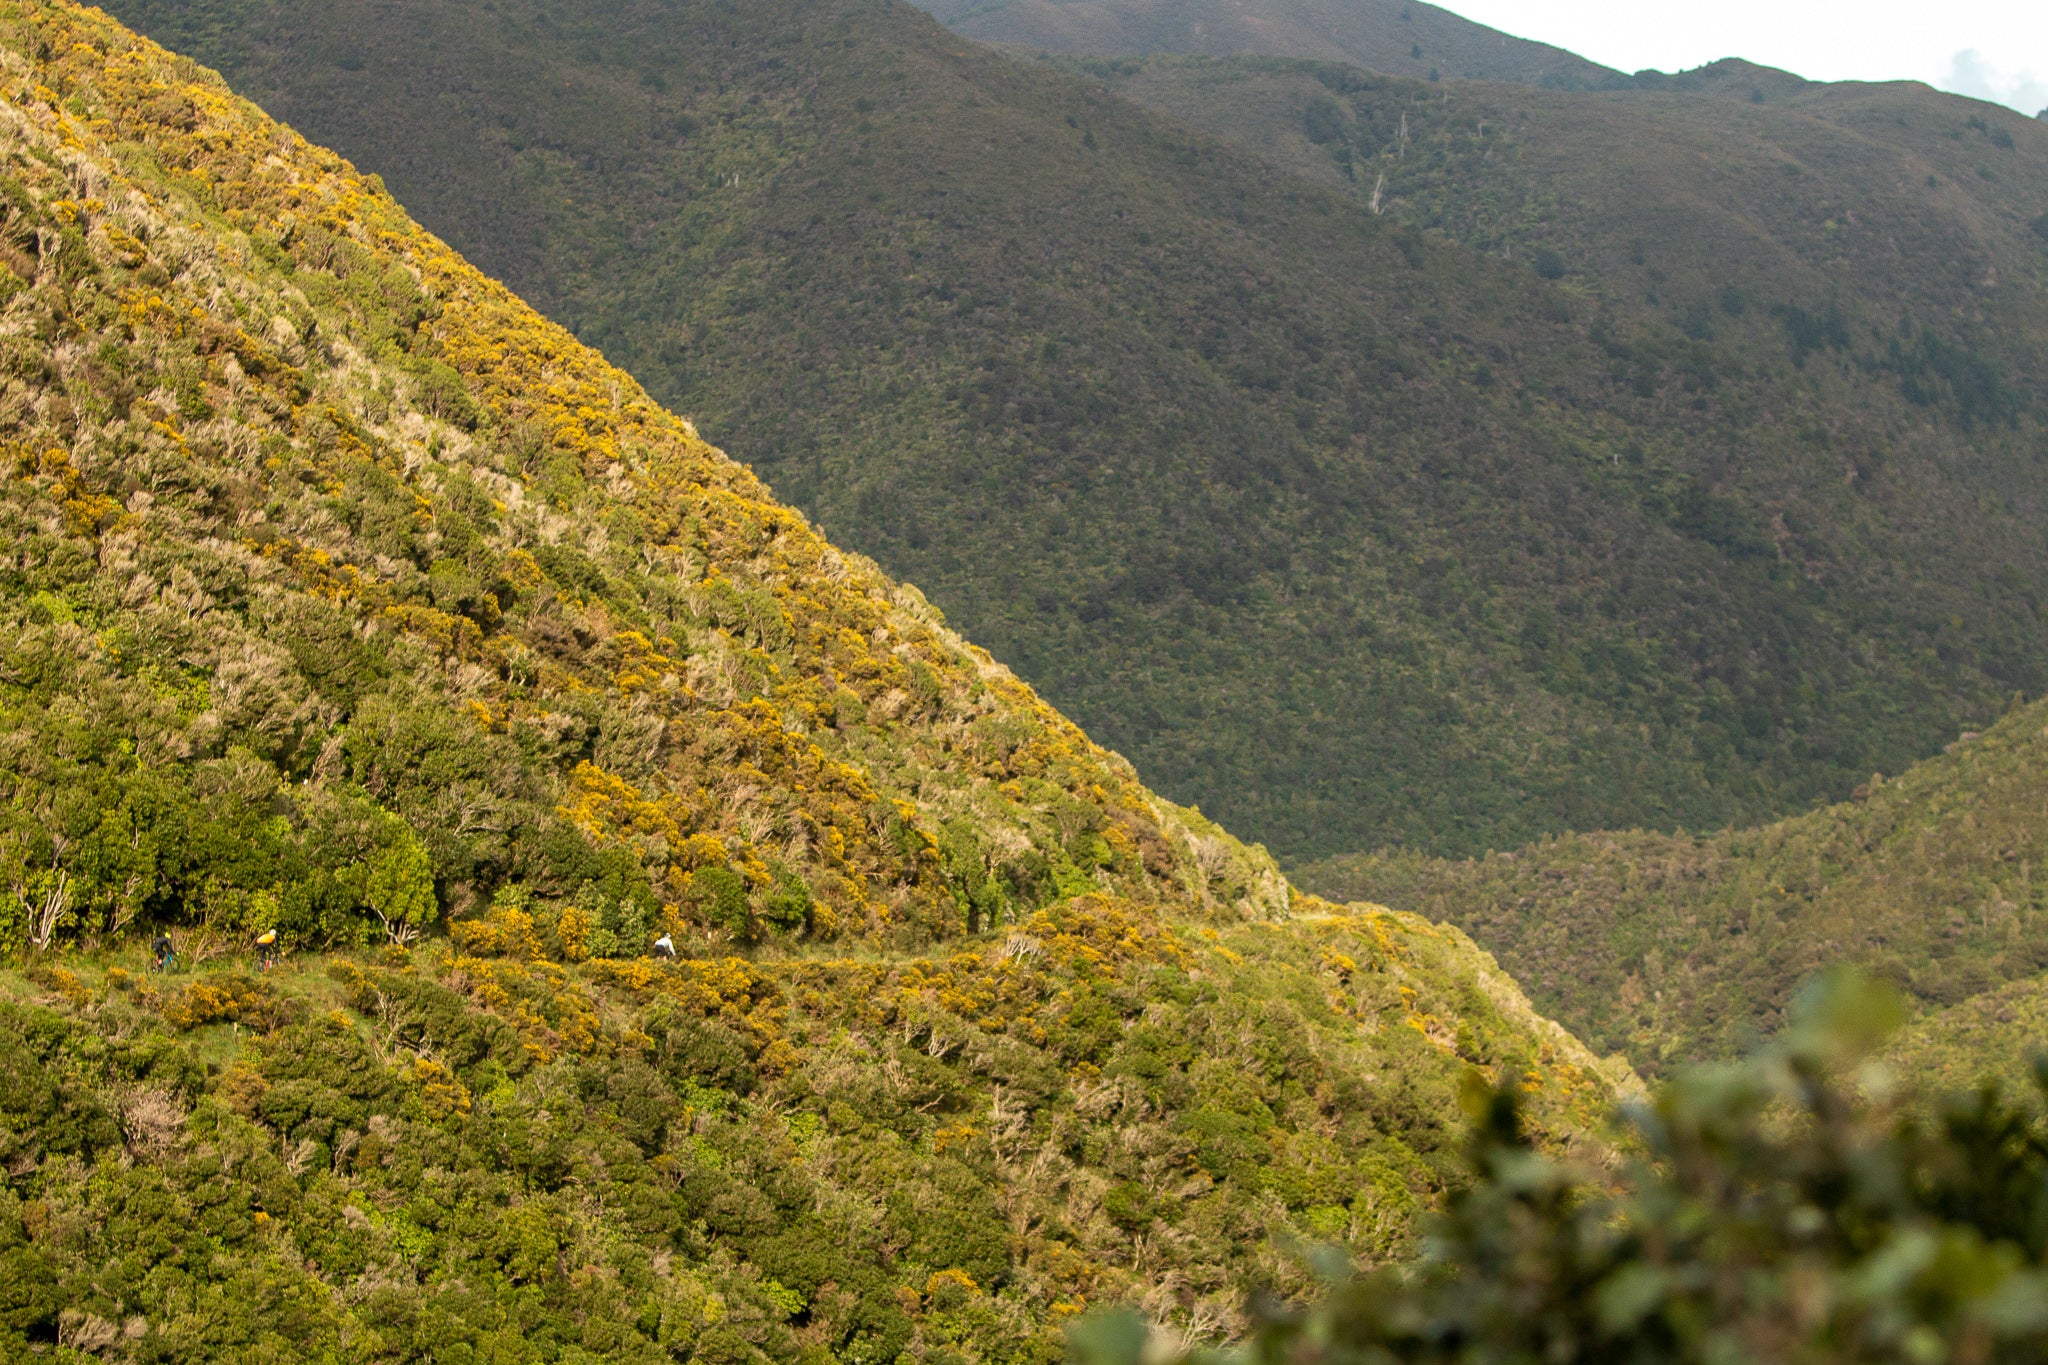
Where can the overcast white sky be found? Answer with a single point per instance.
(1992, 49)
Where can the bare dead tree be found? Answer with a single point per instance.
(43, 917)
(399, 930)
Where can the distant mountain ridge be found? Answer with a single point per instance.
(1399, 37)
(1657, 196)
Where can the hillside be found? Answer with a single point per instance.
(1680, 947)
(1895, 201)
(346, 598)
(1999, 1036)
(1349, 534)
(496, 1151)
(1398, 37)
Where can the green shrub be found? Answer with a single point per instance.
(1127, 1206)
(719, 896)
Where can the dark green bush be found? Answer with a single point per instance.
(719, 896)
(1324, 120)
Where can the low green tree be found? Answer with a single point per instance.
(400, 889)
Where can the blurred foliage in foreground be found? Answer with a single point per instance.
(1799, 1206)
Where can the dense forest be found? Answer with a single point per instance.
(1534, 501)
(407, 670)
(1687, 201)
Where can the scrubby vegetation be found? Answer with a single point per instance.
(480, 1151)
(342, 589)
(1684, 947)
(1796, 1208)
(1352, 528)
(346, 600)
(1993, 1036)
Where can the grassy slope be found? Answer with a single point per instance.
(1351, 535)
(341, 588)
(1399, 37)
(1682, 947)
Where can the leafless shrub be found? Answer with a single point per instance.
(152, 1123)
(85, 1333)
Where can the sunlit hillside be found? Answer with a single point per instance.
(420, 683)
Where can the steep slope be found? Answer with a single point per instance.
(343, 597)
(1399, 37)
(1678, 947)
(1352, 535)
(268, 486)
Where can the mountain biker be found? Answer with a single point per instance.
(162, 954)
(266, 950)
(665, 947)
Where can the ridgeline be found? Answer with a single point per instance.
(1399, 37)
